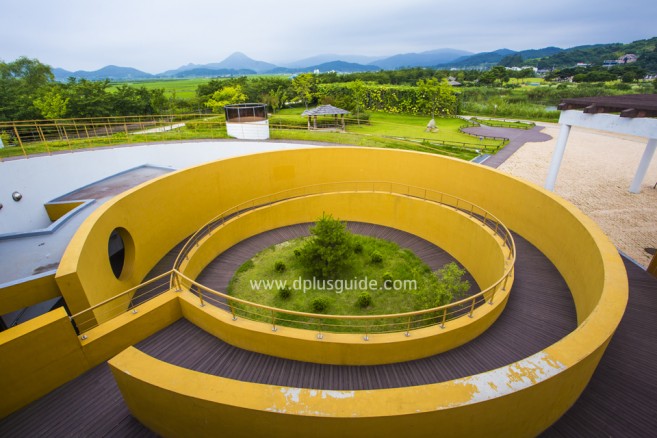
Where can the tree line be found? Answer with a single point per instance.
(28, 90)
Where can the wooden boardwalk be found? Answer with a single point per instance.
(619, 401)
(517, 138)
(539, 312)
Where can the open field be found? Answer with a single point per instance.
(404, 126)
(382, 130)
(178, 88)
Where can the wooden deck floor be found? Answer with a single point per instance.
(91, 404)
(620, 400)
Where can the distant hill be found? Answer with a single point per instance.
(211, 72)
(330, 57)
(111, 72)
(422, 59)
(598, 53)
(238, 64)
(337, 66)
(480, 60)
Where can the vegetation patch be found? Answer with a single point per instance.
(359, 284)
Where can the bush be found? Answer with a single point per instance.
(376, 257)
(387, 280)
(285, 293)
(329, 251)
(297, 253)
(245, 267)
(279, 266)
(364, 300)
(358, 248)
(320, 304)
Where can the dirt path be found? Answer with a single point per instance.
(595, 175)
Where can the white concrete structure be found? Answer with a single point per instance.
(639, 126)
(258, 130)
(247, 121)
(29, 239)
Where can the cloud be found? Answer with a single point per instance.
(79, 34)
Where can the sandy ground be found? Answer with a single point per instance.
(595, 175)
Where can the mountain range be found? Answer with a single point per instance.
(239, 64)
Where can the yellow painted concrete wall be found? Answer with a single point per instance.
(56, 210)
(535, 391)
(471, 243)
(174, 402)
(16, 296)
(463, 237)
(37, 357)
(340, 348)
(230, 182)
(45, 352)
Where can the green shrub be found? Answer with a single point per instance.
(358, 248)
(387, 280)
(285, 292)
(245, 267)
(297, 253)
(376, 257)
(279, 266)
(364, 300)
(320, 304)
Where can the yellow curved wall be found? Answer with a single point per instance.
(472, 244)
(536, 390)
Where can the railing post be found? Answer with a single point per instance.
(273, 322)
(176, 281)
(493, 294)
(442, 325)
(408, 327)
(20, 142)
(505, 281)
(200, 296)
(232, 310)
(367, 331)
(319, 333)
(472, 308)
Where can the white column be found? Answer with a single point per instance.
(635, 187)
(557, 156)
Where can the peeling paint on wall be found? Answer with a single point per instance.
(517, 376)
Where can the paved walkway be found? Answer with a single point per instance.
(517, 138)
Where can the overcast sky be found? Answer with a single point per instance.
(157, 36)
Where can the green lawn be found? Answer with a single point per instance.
(405, 127)
(382, 130)
(417, 286)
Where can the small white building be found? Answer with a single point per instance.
(247, 121)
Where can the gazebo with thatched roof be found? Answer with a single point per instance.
(325, 110)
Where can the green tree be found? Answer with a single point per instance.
(434, 95)
(329, 251)
(88, 98)
(52, 105)
(358, 95)
(450, 286)
(226, 96)
(305, 85)
(21, 82)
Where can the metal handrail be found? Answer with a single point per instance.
(280, 196)
(465, 306)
